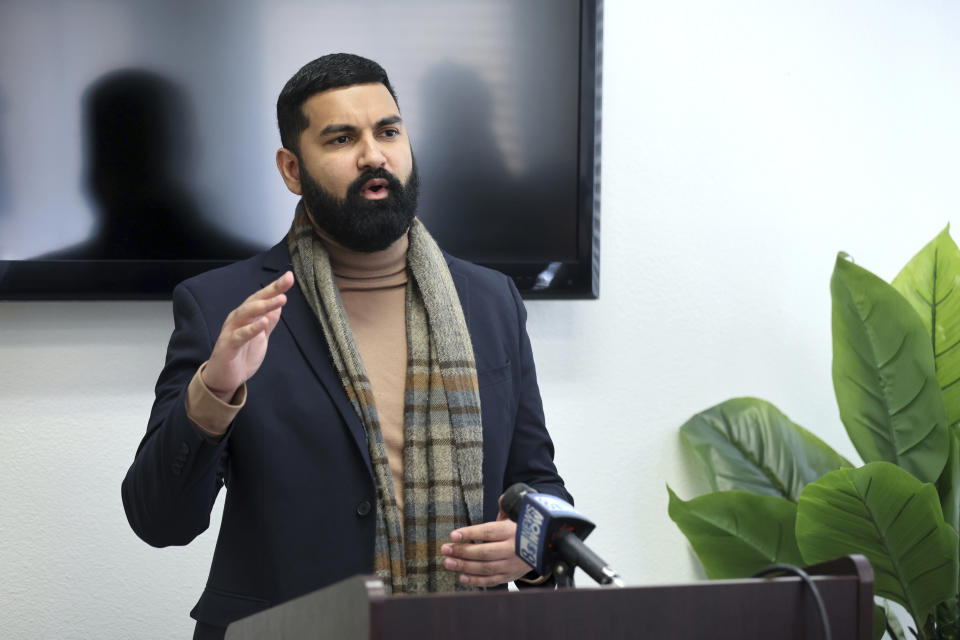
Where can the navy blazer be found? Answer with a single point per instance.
(300, 504)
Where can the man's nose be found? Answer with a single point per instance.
(371, 155)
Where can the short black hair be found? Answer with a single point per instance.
(326, 72)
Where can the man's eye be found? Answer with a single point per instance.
(341, 140)
(391, 133)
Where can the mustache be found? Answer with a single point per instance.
(356, 187)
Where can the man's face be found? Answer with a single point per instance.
(355, 167)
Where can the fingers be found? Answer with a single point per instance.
(257, 305)
(278, 286)
(272, 318)
(489, 567)
(484, 554)
(485, 542)
(477, 568)
(486, 532)
(485, 574)
(239, 337)
(484, 565)
(242, 323)
(262, 314)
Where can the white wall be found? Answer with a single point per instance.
(743, 147)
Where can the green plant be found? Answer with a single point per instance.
(780, 494)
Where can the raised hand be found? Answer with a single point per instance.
(242, 344)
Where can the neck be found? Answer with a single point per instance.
(359, 271)
(347, 263)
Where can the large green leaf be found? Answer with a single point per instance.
(749, 445)
(735, 534)
(883, 374)
(892, 518)
(948, 486)
(931, 284)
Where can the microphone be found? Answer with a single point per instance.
(551, 531)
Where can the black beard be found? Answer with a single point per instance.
(360, 224)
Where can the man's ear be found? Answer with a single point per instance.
(289, 167)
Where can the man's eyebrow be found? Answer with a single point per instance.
(338, 128)
(349, 128)
(385, 122)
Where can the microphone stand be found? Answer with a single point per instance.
(563, 575)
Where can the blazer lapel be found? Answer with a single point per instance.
(299, 320)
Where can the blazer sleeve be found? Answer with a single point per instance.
(531, 449)
(171, 486)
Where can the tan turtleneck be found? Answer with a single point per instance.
(373, 289)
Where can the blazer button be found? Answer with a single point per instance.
(184, 449)
(363, 508)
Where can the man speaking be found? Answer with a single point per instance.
(364, 397)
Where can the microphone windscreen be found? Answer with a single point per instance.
(512, 497)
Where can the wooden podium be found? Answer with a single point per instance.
(781, 608)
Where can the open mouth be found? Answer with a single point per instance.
(376, 189)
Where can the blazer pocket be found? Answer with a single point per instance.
(494, 375)
(220, 608)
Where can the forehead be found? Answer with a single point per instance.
(358, 105)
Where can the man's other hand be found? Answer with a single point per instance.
(242, 343)
(484, 554)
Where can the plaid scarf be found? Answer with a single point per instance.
(443, 439)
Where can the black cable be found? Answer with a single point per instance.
(803, 575)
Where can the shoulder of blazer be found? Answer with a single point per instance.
(482, 276)
(487, 297)
(234, 282)
(474, 281)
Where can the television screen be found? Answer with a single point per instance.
(137, 138)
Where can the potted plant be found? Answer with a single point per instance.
(782, 495)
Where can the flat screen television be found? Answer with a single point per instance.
(137, 137)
